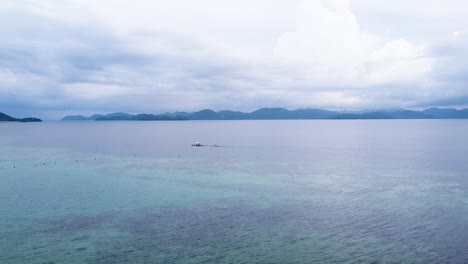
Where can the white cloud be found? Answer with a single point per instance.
(240, 54)
(330, 45)
(94, 91)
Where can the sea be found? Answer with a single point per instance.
(283, 191)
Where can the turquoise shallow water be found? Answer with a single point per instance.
(275, 192)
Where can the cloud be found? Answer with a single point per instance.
(154, 56)
(330, 45)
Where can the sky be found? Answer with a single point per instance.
(61, 57)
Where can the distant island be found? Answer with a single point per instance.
(125, 116)
(7, 118)
(282, 113)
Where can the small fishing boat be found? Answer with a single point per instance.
(197, 144)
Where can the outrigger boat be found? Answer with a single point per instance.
(197, 144)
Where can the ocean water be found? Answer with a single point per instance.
(344, 191)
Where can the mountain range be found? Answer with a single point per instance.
(7, 118)
(282, 113)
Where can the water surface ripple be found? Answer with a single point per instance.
(376, 191)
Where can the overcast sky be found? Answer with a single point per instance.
(60, 57)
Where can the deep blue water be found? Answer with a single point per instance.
(332, 191)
